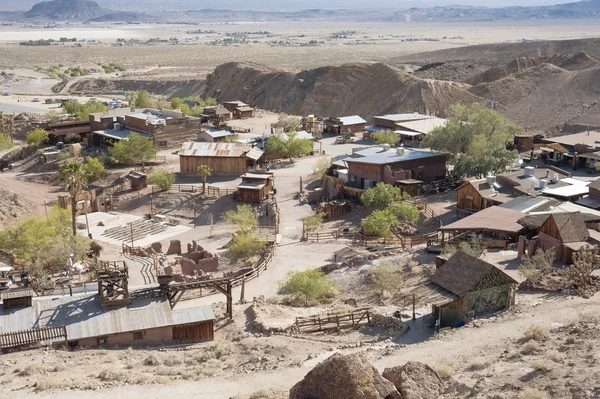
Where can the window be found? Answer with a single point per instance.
(138, 335)
(102, 340)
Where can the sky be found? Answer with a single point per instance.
(275, 5)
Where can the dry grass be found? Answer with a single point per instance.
(530, 393)
(477, 366)
(541, 366)
(151, 360)
(536, 333)
(554, 356)
(530, 348)
(112, 376)
(445, 370)
(29, 370)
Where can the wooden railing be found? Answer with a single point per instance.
(33, 336)
(333, 321)
(193, 188)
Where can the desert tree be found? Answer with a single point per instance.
(382, 195)
(289, 123)
(310, 286)
(163, 178)
(204, 171)
(476, 137)
(289, 145)
(385, 279)
(535, 266)
(585, 261)
(37, 137)
(143, 100)
(312, 223)
(243, 217)
(322, 166)
(386, 137)
(136, 149)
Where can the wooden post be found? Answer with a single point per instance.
(300, 183)
(243, 290)
(414, 315)
(46, 210)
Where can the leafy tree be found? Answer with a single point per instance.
(289, 146)
(204, 171)
(385, 279)
(243, 217)
(210, 101)
(309, 286)
(94, 169)
(82, 111)
(74, 176)
(382, 195)
(51, 116)
(163, 178)
(176, 102)
(143, 100)
(185, 109)
(535, 266)
(404, 212)
(36, 241)
(288, 123)
(322, 166)
(386, 137)
(136, 149)
(380, 222)
(476, 138)
(246, 244)
(37, 137)
(196, 111)
(130, 97)
(585, 261)
(313, 223)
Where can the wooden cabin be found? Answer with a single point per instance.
(566, 232)
(473, 287)
(223, 158)
(255, 187)
(243, 112)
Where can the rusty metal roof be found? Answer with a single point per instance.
(84, 318)
(196, 149)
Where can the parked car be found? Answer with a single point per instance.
(6, 93)
(36, 100)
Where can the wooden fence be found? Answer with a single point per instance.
(333, 321)
(33, 336)
(193, 188)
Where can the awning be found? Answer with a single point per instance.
(408, 133)
(255, 154)
(493, 218)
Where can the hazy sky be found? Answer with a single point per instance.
(290, 4)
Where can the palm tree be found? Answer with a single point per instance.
(204, 171)
(74, 176)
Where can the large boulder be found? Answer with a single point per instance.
(174, 248)
(415, 380)
(344, 376)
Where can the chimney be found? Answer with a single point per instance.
(400, 151)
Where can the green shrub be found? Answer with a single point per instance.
(37, 137)
(246, 244)
(309, 286)
(163, 178)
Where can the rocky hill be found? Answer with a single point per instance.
(366, 89)
(66, 10)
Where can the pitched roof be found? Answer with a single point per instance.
(595, 184)
(493, 218)
(571, 227)
(462, 272)
(351, 120)
(196, 149)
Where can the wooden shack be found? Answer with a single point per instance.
(255, 187)
(223, 158)
(17, 299)
(138, 180)
(473, 287)
(243, 112)
(566, 232)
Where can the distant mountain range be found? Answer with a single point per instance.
(90, 11)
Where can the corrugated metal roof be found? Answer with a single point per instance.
(424, 125)
(351, 120)
(195, 149)
(83, 316)
(391, 157)
(490, 219)
(403, 117)
(251, 185)
(255, 154)
(217, 133)
(261, 176)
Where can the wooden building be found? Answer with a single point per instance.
(138, 180)
(592, 201)
(255, 187)
(243, 112)
(523, 142)
(146, 321)
(565, 232)
(223, 158)
(215, 115)
(58, 131)
(426, 166)
(345, 124)
(476, 195)
(15, 299)
(231, 105)
(214, 135)
(474, 287)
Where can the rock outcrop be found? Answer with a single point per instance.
(415, 380)
(344, 376)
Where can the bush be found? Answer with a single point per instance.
(312, 223)
(309, 286)
(445, 370)
(243, 217)
(134, 150)
(322, 166)
(94, 169)
(531, 348)
(37, 137)
(541, 366)
(386, 137)
(385, 279)
(382, 196)
(536, 333)
(534, 267)
(163, 178)
(151, 360)
(246, 245)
